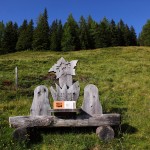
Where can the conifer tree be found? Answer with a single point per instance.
(121, 28)
(145, 35)
(30, 29)
(59, 34)
(70, 38)
(103, 35)
(133, 37)
(55, 35)
(127, 36)
(83, 34)
(25, 38)
(10, 37)
(41, 33)
(21, 43)
(113, 33)
(2, 28)
(92, 27)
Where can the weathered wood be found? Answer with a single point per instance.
(16, 77)
(30, 121)
(105, 133)
(66, 94)
(65, 110)
(40, 104)
(20, 134)
(64, 71)
(91, 103)
(52, 121)
(73, 92)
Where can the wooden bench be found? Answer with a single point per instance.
(89, 115)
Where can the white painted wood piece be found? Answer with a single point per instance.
(91, 103)
(40, 105)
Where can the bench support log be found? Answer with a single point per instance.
(52, 121)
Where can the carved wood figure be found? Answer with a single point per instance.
(91, 103)
(40, 105)
(66, 90)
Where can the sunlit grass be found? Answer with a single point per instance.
(121, 75)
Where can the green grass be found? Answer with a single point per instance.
(122, 75)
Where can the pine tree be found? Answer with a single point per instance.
(133, 37)
(83, 34)
(92, 27)
(103, 35)
(121, 28)
(25, 37)
(21, 43)
(2, 28)
(41, 33)
(29, 32)
(59, 34)
(145, 35)
(55, 35)
(126, 36)
(10, 38)
(113, 33)
(70, 39)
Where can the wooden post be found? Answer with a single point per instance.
(16, 77)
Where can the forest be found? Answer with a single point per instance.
(72, 35)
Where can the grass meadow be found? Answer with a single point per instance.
(122, 75)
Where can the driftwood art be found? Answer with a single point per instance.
(64, 113)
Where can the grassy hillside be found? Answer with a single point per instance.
(122, 75)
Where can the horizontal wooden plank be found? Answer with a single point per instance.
(52, 121)
(65, 110)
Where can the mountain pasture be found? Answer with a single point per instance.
(122, 75)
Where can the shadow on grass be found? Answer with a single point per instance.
(35, 134)
(124, 129)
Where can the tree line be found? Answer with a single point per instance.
(72, 35)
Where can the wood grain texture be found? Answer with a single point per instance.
(40, 104)
(52, 121)
(91, 103)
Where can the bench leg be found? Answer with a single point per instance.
(105, 133)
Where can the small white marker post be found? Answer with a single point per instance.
(16, 77)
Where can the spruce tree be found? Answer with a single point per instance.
(83, 34)
(55, 35)
(70, 38)
(59, 35)
(2, 28)
(113, 33)
(25, 37)
(41, 33)
(29, 34)
(10, 38)
(126, 36)
(145, 35)
(121, 29)
(133, 37)
(103, 34)
(21, 43)
(92, 27)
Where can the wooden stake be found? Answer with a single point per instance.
(16, 77)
